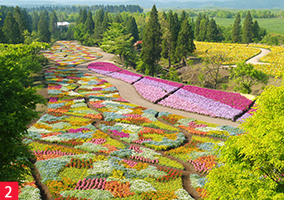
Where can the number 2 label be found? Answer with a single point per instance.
(9, 190)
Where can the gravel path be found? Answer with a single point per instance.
(255, 59)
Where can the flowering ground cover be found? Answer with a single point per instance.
(210, 102)
(64, 52)
(233, 53)
(92, 144)
(126, 76)
(103, 67)
(154, 89)
(196, 127)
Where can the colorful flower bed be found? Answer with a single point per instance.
(196, 127)
(210, 102)
(103, 67)
(118, 158)
(233, 53)
(126, 76)
(154, 89)
(65, 52)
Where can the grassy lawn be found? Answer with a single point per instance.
(273, 25)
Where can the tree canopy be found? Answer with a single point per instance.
(253, 162)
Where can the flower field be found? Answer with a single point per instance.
(233, 53)
(154, 89)
(92, 144)
(64, 52)
(103, 67)
(210, 102)
(126, 76)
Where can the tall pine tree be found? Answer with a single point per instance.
(53, 22)
(247, 29)
(43, 31)
(83, 17)
(185, 42)
(35, 19)
(151, 46)
(132, 28)
(11, 30)
(90, 25)
(212, 31)
(255, 31)
(236, 32)
(197, 26)
(20, 19)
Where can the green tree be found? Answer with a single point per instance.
(35, 19)
(168, 38)
(253, 162)
(245, 76)
(132, 28)
(118, 18)
(28, 19)
(99, 18)
(11, 30)
(203, 29)
(20, 19)
(2, 36)
(151, 48)
(197, 26)
(53, 23)
(212, 31)
(117, 41)
(17, 110)
(212, 69)
(106, 21)
(89, 25)
(43, 32)
(83, 16)
(247, 29)
(255, 31)
(79, 32)
(185, 42)
(236, 32)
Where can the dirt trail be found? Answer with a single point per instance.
(255, 59)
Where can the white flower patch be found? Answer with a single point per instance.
(139, 186)
(78, 100)
(147, 153)
(130, 127)
(54, 138)
(149, 116)
(60, 125)
(72, 93)
(100, 167)
(77, 105)
(38, 130)
(92, 194)
(124, 111)
(183, 195)
(208, 128)
(28, 192)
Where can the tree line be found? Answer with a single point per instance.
(93, 8)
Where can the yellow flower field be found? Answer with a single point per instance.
(234, 53)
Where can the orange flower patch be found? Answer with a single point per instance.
(46, 157)
(192, 130)
(49, 134)
(93, 116)
(119, 189)
(42, 126)
(110, 149)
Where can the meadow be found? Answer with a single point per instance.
(272, 25)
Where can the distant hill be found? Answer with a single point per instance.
(235, 4)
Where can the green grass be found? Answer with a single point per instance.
(272, 25)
